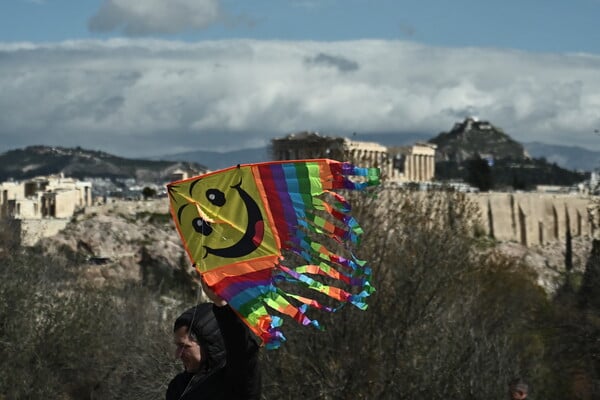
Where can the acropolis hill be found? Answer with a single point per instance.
(530, 218)
(547, 216)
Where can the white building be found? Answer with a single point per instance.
(44, 197)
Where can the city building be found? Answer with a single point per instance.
(41, 206)
(44, 197)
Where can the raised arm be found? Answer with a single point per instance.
(242, 369)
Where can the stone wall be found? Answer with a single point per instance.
(66, 202)
(526, 218)
(534, 218)
(130, 207)
(32, 230)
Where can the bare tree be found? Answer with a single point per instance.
(445, 321)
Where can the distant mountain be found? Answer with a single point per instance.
(571, 157)
(471, 138)
(80, 163)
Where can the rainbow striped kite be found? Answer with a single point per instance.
(235, 222)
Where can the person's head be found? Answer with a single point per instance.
(518, 389)
(198, 339)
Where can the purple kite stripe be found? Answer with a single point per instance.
(289, 213)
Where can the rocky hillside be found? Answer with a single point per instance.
(132, 242)
(472, 138)
(80, 163)
(124, 242)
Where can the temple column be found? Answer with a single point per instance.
(413, 172)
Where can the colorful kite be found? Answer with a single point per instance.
(235, 222)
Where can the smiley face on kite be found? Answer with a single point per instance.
(255, 226)
(226, 220)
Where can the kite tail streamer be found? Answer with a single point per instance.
(293, 191)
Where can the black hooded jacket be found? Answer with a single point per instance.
(229, 369)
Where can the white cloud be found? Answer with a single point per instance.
(144, 97)
(146, 17)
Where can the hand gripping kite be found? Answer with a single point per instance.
(234, 224)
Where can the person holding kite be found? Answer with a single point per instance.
(218, 352)
(235, 224)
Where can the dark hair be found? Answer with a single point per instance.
(204, 330)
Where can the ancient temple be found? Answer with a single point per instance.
(414, 163)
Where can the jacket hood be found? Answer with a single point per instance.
(201, 321)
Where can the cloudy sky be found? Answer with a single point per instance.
(140, 78)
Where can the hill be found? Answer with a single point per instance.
(485, 156)
(471, 138)
(80, 163)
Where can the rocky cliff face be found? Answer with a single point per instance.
(126, 242)
(135, 242)
(472, 138)
(548, 261)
